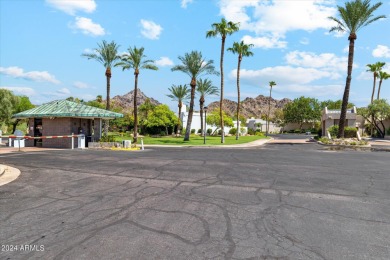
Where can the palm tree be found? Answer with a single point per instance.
(107, 55)
(223, 29)
(179, 93)
(135, 59)
(243, 50)
(355, 15)
(383, 75)
(194, 66)
(204, 89)
(375, 69)
(271, 84)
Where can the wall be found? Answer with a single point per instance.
(57, 126)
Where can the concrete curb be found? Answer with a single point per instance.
(9, 174)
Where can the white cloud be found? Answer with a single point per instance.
(381, 51)
(64, 91)
(282, 75)
(79, 84)
(264, 42)
(39, 76)
(279, 16)
(327, 61)
(150, 29)
(164, 61)
(276, 18)
(25, 91)
(184, 3)
(87, 26)
(72, 6)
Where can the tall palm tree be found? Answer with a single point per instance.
(383, 75)
(243, 50)
(375, 69)
(179, 93)
(355, 15)
(204, 89)
(223, 29)
(135, 59)
(194, 65)
(107, 55)
(271, 84)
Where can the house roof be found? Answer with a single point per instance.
(65, 108)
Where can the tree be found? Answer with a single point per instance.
(383, 75)
(22, 103)
(271, 84)
(355, 15)
(330, 104)
(223, 29)
(204, 89)
(243, 50)
(376, 113)
(179, 93)
(144, 110)
(302, 110)
(194, 66)
(107, 55)
(8, 103)
(135, 59)
(214, 119)
(375, 69)
(161, 117)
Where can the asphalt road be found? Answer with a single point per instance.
(279, 201)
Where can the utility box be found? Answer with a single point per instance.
(126, 144)
(81, 141)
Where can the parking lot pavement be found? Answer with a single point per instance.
(273, 202)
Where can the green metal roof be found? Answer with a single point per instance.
(65, 108)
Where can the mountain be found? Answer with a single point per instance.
(251, 107)
(127, 100)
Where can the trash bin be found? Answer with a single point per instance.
(126, 144)
(81, 141)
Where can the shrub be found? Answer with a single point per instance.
(192, 131)
(297, 131)
(324, 140)
(233, 131)
(199, 131)
(209, 131)
(251, 131)
(388, 131)
(333, 130)
(107, 139)
(163, 133)
(259, 133)
(219, 132)
(350, 132)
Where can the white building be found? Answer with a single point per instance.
(196, 123)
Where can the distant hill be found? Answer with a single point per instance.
(126, 101)
(251, 107)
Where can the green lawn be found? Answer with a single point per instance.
(194, 140)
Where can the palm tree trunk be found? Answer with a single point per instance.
(178, 120)
(108, 88)
(343, 113)
(238, 96)
(373, 88)
(221, 100)
(379, 88)
(135, 137)
(191, 111)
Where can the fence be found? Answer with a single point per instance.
(80, 139)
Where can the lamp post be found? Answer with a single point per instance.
(205, 125)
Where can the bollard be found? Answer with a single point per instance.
(9, 142)
(142, 144)
(1, 139)
(72, 142)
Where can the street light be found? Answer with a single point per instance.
(205, 125)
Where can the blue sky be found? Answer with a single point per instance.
(41, 43)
